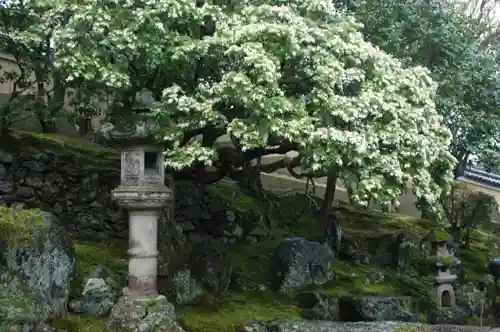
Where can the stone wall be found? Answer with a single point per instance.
(78, 195)
(81, 197)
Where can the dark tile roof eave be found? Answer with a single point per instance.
(490, 179)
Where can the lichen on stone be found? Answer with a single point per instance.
(37, 261)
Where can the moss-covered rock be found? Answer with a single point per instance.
(435, 261)
(89, 255)
(37, 261)
(17, 227)
(144, 316)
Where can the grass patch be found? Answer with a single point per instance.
(76, 323)
(353, 280)
(229, 311)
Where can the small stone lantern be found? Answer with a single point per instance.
(444, 256)
(143, 194)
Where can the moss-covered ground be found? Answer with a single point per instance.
(365, 229)
(223, 313)
(86, 154)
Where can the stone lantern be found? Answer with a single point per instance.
(143, 194)
(444, 260)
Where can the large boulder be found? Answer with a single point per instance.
(400, 253)
(207, 269)
(299, 263)
(323, 306)
(37, 263)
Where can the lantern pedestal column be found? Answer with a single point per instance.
(144, 204)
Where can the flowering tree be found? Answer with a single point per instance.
(424, 33)
(244, 79)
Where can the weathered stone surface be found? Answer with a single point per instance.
(37, 260)
(171, 242)
(141, 315)
(156, 322)
(98, 297)
(449, 315)
(185, 287)
(400, 253)
(299, 263)
(376, 308)
(211, 266)
(322, 326)
(320, 306)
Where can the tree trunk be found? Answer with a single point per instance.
(83, 127)
(4, 128)
(455, 234)
(348, 187)
(331, 184)
(424, 210)
(48, 126)
(48, 106)
(467, 238)
(462, 157)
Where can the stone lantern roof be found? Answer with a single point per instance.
(133, 126)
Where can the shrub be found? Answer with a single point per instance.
(465, 210)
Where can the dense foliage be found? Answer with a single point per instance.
(269, 76)
(425, 33)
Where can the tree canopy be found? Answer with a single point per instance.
(270, 76)
(425, 33)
